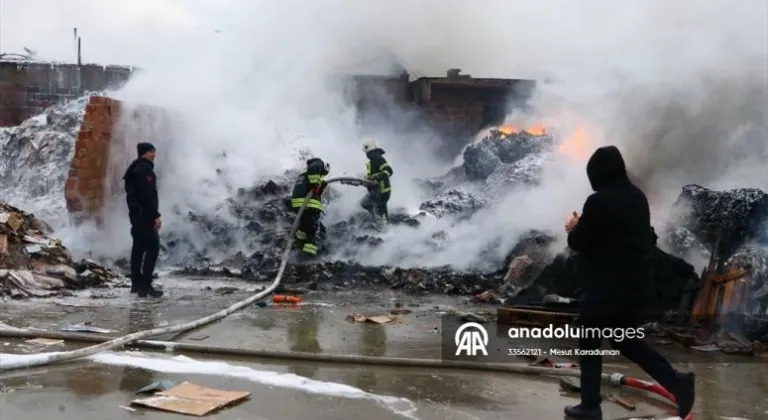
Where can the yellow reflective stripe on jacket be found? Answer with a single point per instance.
(382, 168)
(312, 203)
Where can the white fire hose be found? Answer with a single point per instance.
(58, 357)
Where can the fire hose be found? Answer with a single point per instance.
(58, 357)
(138, 339)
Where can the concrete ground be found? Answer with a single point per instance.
(103, 388)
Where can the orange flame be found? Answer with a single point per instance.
(536, 129)
(576, 145)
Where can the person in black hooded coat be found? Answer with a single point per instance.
(615, 242)
(141, 197)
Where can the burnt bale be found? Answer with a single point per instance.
(672, 277)
(735, 216)
(482, 158)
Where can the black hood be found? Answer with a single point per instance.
(375, 152)
(606, 167)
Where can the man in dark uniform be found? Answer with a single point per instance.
(141, 196)
(310, 231)
(377, 169)
(614, 241)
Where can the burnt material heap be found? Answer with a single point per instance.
(734, 216)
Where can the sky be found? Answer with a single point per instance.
(680, 86)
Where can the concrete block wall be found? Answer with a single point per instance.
(27, 88)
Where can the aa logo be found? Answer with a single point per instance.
(470, 339)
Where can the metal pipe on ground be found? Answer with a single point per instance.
(49, 358)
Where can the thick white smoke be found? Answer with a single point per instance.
(678, 85)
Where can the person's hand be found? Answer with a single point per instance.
(571, 222)
(158, 223)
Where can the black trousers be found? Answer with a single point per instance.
(311, 231)
(144, 252)
(636, 350)
(376, 202)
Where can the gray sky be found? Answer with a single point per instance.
(484, 37)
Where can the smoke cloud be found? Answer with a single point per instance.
(679, 86)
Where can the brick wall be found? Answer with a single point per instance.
(456, 109)
(27, 88)
(86, 182)
(104, 147)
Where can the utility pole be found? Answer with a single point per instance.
(1, 27)
(77, 43)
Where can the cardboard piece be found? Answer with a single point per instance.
(191, 399)
(13, 220)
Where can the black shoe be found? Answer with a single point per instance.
(134, 289)
(685, 394)
(150, 291)
(581, 412)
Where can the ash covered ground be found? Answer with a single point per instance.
(245, 235)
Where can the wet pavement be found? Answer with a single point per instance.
(97, 390)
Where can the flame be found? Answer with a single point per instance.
(536, 129)
(508, 130)
(576, 145)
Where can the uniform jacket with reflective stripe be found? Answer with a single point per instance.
(304, 183)
(377, 168)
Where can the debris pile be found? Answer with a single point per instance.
(34, 265)
(731, 217)
(35, 158)
(500, 148)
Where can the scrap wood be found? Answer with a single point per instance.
(191, 399)
(24, 245)
(4, 244)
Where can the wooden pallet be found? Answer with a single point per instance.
(533, 318)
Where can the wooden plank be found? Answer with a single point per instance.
(528, 317)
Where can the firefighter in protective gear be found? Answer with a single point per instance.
(310, 230)
(377, 169)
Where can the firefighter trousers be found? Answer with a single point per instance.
(311, 231)
(375, 202)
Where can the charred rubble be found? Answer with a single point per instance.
(534, 272)
(530, 275)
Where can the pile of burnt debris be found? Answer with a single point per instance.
(34, 265)
(729, 226)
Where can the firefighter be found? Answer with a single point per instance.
(310, 229)
(377, 169)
